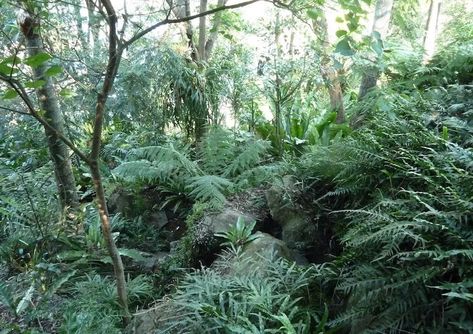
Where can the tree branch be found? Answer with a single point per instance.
(20, 90)
(185, 19)
(15, 111)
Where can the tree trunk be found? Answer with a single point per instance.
(114, 57)
(382, 18)
(181, 10)
(209, 45)
(331, 76)
(431, 30)
(332, 82)
(48, 102)
(202, 28)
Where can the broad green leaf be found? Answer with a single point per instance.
(6, 69)
(377, 43)
(25, 301)
(7, 65)
(10, 60)
(462, 295)
(340, 33)
(35, 84)
(54, 70)
(9, 94)
(352, 25)
(344, 48)
(314, 13)
(37, 60)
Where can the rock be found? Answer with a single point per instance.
(150, 320)
(267, 246)
(298, 230)
(223, 221)
(121, 201)
(159, 219)
(153, 263)
(254, 254)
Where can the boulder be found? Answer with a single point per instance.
(158, 219)
(298, 230)
(223, 221)
(121, 201)
(267, 246)
(257, 254)
(154, 262)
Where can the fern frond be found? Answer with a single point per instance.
(209, 188)
(249, 157)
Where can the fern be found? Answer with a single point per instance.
(404, 191)
(249, 157)
(267, 300)
(209, 188)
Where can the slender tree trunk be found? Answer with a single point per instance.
(382, 18)
(431, 30)
(202, 30)
(331, 76)
(114, 57)
(48, 102)
(209, 45)
(93, 27)
(332, 82)
(181, 10)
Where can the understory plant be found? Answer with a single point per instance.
(222, 163)
(276, 298)
(406, 184)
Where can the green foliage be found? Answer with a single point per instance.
(94, 308)
(222, 156)
(239, 234)
(407, 200)
(266, 300)
(208, 188)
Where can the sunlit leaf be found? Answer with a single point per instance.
(54, 70)
(9, 94)
(313, 13)
(35, 84)
(37, 60)
(344, 48)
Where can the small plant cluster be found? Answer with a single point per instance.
(276, 299)
(239, 234)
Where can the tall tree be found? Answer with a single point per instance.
(217, 21)
(382, 18)
(330, 75)
(202, 30)
(431, 29)
(30, 26)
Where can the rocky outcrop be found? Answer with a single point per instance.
(223, 221)
(298, 230)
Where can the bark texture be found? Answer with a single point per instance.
(48, 103)
(202, 32)
(431, 30)
(209, 45)
(114, 57)
(382, 18)
(331, 76)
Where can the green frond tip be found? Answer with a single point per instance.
(209, 188)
